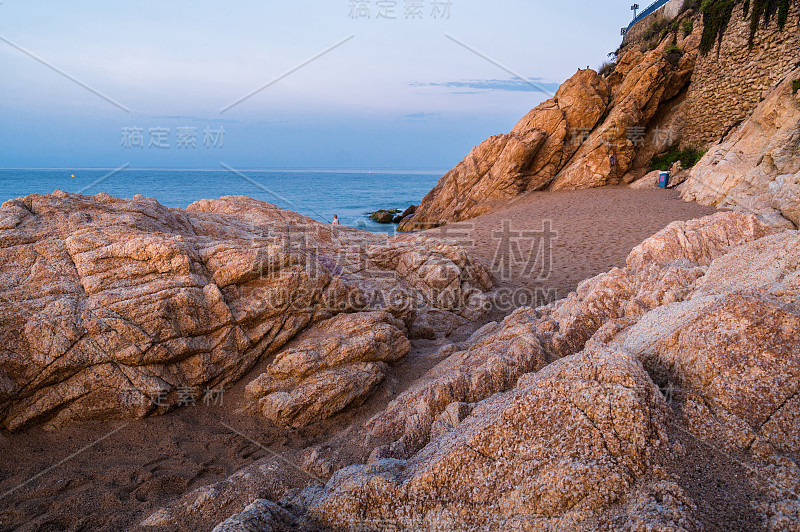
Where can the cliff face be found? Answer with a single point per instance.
(756, 169)
(600, 131)
(640, 86)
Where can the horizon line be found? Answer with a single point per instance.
(247, 168)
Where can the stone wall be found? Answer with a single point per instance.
(673, 9)
(730, 80)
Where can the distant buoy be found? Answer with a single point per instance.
(73, 175)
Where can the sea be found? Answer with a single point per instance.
(351, 194)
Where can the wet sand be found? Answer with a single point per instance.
(145, 464)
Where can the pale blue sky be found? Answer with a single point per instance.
(399, 94)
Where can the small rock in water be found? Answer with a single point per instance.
(384, 216)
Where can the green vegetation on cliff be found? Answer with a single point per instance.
(687, 156)
(765, 10)
(717, 14)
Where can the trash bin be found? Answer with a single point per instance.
(663, 179)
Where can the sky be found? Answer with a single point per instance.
(282, 84)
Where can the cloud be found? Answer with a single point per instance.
(419, 116)
(193, 118)
(508, 85)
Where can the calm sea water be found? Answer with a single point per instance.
(318, 194)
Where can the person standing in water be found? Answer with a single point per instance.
(335, 220)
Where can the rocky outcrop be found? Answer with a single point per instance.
(123, 308)
(260, 516)
(440, 273)
(497, 169)
(497, 357)
(649, 180)
(735, 339)
(528, 158)
(756, 168)
(661, 270)
(641, 84)
(568, 141)
(566, 442)
(337, 363)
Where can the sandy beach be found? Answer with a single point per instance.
(592, 232)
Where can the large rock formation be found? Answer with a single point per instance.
(736, 338)
(756, 169)
(528, 158)
(568, 141)
(260, 516)
(641, 85)
(122, 308)
(498, 355)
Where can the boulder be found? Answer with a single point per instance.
(437, 271)
(259, 516)
(731, 348)
(563, 445)
(382, 217)
(243, 499)
(492, 364)
(409, 211)
(648, 181)
(786, 199)
(337, 363)
(678, 179)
